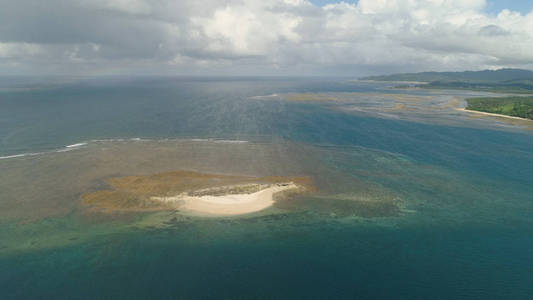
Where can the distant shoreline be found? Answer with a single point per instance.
(492, 114)
(393, 81)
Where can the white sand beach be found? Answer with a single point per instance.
(230, 204)
(492, 114)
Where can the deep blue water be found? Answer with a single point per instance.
(416, 263)
(474, 243)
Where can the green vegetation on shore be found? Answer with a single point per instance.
(510, 106)
(498, 81)
(508, 87)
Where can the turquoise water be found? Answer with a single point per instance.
(465, 184)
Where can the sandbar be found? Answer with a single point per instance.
(229, 204)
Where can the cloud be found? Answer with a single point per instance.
(248, 29)
(258, 37)
(492, 30)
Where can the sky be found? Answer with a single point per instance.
(262, 37)
(493, 6)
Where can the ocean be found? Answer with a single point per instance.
(461, 185)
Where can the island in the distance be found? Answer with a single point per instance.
(509, 81)
(194, 193)
(497, 81)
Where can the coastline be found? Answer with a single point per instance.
(492, 114)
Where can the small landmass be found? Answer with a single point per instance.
(194, 192)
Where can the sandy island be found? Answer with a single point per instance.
(229, 204)
(195, 193)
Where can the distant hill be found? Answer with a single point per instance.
(503, 80)
(468, 76)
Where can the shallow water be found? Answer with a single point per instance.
(462, 185)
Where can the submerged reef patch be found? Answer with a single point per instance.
(212, 194)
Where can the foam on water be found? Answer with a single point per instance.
(76, 145)
(67, 148)
(20, 155)
(72, 147)
(265, 96)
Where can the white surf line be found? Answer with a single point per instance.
(76, 145)
(20, 155)
(264, 96)
(60, 150)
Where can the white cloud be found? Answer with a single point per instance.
(276, 36)
(19, 50)
(246, 29)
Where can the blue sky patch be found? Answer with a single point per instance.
(493, 6)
